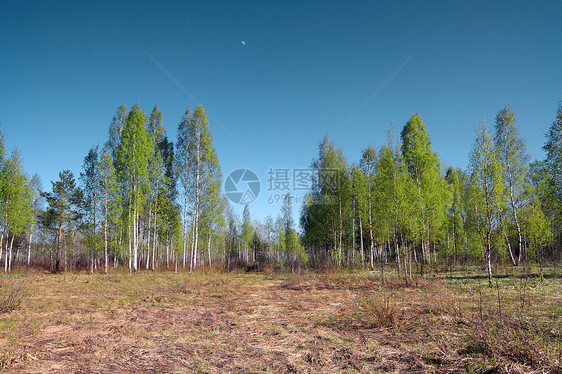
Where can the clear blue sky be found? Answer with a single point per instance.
(307, 68)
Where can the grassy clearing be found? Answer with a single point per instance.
(339, 322)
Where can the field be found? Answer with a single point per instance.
(213, 322)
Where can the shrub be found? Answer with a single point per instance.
(378, 312)
(11, 297)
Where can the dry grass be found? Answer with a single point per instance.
(215, 322)
(11, 296)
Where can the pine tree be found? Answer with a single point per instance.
(64, 210)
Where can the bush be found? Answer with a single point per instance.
(11, 297)
(378, 312)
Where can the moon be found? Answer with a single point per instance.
(243, 42)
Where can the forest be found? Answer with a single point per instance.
(141, 264)
(143, 201)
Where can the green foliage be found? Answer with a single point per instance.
(17, 196)
(433, 197)
(132, 159)
(90, 201)
(395, 203)
(488, 189)
(64, 210)
(456, 215)
(553, 149)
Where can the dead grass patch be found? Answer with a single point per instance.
(215, 322)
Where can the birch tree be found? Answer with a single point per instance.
(16, 203)
(133, 154)
(514, 159)
(199, 172)
(432, 193)
(90, 202)
(368, 165)
(487, 171)
(111, 202)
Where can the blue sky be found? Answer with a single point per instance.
(307, 68)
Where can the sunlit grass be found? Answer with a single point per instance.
(330, 322)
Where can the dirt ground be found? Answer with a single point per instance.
(254, 323)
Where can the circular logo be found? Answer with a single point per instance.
(242, 186)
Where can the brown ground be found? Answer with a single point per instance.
(173, 323)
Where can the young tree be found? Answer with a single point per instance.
(487, 171)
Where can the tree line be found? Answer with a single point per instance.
(145, 202)
(398, 204)
(141, 201)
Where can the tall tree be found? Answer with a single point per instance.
(182, 162)
(368, 165)
(133, 154)
(90, 202)
(116, 129)
(37, 207)
(360, 196)
(514, 159)
(157, 133)
(432, 192)
(553, 149)
(16, 203)
(111, 202)
(487, 171)
(456, 227)
(247, 229)
(64, 209)
(199, 171)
